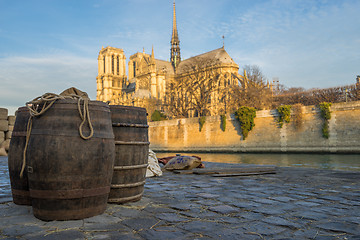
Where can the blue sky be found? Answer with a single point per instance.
(50, 45)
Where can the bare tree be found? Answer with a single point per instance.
(253, 90)
(178, 101)
(254, 75)
(316, 96)
(193, 89)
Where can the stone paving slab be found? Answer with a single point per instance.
(295, 203)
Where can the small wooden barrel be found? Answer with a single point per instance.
(19, 186)
(131, 153)
(69, 177)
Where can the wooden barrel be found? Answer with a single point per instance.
(19, 186)
(131, 153)
(69, 177)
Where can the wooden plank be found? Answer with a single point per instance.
(241, 174)
(183, 171)
(237, 170)
(234, 170)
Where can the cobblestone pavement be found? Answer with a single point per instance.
(294, 203)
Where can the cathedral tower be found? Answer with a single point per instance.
(175, 57)
(111, 73)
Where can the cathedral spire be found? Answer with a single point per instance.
(174, 36)
(152, 52)
(175, 43)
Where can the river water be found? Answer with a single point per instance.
(320, 161)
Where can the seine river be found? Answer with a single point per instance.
(321, 161)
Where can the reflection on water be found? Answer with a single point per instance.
(322, 161)
(5, 189)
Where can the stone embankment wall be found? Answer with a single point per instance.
(6, 128)
(266, 136)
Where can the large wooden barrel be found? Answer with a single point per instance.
(19, 186)
(69, 177)
(131, 153)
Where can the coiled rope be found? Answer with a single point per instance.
(40, 105)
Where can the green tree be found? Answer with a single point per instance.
(157, 116)
(284, 114)
(326, 115)
(246, 116)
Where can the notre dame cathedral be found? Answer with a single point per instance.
(187, 88)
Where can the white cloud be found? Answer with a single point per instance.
(304, 43)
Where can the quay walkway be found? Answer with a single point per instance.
(294, 203)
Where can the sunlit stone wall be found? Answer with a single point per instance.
(266, 136)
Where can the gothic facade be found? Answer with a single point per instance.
(165, 85)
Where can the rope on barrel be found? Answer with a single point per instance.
(85, 116)
(28, 131)
(46, 101)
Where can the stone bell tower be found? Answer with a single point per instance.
(111, 74)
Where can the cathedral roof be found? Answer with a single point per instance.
(142, 93)
(164, 65)
(214, 57)
(130, 87)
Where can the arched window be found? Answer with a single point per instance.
(118, 65)
(104, 64)
(112, 64)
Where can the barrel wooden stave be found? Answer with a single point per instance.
(132, 178)
(131, 153)
(69, 177)
(19, 186)
(130, 134)
(128, 114)
(69, 209)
